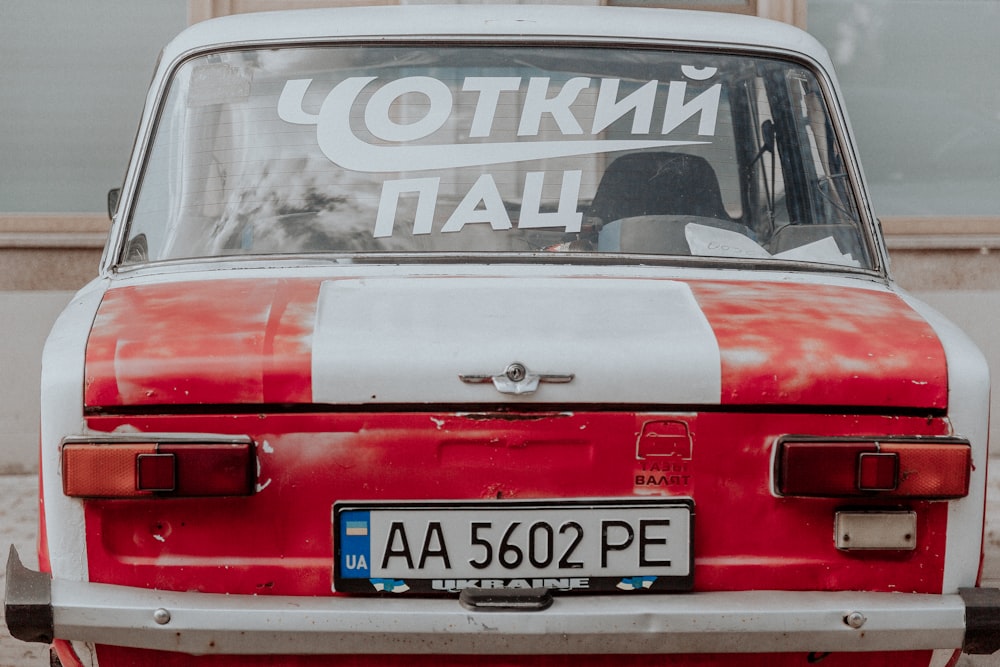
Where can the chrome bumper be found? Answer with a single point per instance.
(39, 608)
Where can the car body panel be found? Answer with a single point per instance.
(486, 457)
(266, 341)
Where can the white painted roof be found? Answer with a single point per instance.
(529, 21)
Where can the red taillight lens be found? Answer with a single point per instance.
(132, 469)
(933, 468)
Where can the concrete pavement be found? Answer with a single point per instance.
(18, 526)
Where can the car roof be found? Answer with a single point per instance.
(561, 22)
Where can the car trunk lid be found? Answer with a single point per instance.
(586, 340)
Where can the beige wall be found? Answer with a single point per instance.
(62, 252)
(789, 11)
(50, 252)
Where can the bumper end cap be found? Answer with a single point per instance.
(28, 602)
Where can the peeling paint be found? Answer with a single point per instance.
(249, 341)
(813, 344)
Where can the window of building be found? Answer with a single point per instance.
(919, 79)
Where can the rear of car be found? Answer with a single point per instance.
(510, 335)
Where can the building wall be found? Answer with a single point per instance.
(919, 77)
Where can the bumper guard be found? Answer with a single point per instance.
(39, 608)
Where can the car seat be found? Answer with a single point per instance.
(658, 183)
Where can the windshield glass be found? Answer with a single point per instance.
(489, 149)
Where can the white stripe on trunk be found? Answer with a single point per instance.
(405, 340)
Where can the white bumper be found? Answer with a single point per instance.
(730, 622)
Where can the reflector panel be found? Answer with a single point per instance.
(931, 468)
(101, 470)
(98, 469)
(940, 471)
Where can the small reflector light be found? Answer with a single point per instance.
(930, 468)
(878, 471)
(115, 469)
(156, 472)
(102, 470)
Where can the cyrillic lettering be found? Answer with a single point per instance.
(426, 190)
(609, 108)
(484, 192)
(678, 111)
(290, 103)
(565, 215)
(489, 89)
(536, 103)
(377, 116)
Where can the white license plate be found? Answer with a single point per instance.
(593, 545)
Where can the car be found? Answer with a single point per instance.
(486, 335)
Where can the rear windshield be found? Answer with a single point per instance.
(494, 149)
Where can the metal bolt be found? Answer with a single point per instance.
(855, 619)
(161, 616)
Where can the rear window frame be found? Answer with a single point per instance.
(867, 224)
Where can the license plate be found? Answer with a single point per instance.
(594, 545)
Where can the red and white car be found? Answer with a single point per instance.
(503, 335)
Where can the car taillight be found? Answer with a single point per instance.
(930, 468)
(142, 467)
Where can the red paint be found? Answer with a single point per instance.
(67, 656)
(804, 344)
(248, 341)
(279, 541)
(42, 544)
(207, 342)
